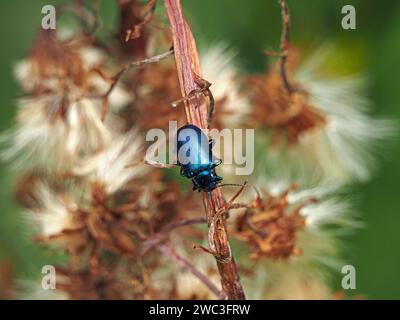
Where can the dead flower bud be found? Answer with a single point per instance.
(218, 65)
(112, 281)
(189, 287)
(117, 164)
(286, 219)
(270, 227)
(59, 116)
(160, 87)
(54, 212)
(322, 126)
(287, 115)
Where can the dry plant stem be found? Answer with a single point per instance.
(89, 19)
(172, 254)
(127, 67)
(205, 90)
(188, 66)
(285, 45)
(136, 30)
(164, 233)
(157, 239)
(183, 223)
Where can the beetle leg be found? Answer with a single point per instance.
(196, 185)
(231, 205)
(230, 202)
(216, 163)
(211, 142)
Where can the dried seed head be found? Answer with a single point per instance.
(111, 281)
(289, 221)
(59, 119)
(159, 87)
(271, 227)
(296, 285)
(218, 65)
(50, 59)
(288, 115)
(310, 225)
(117, 164)
(188, 287)
(325, 122)
(54, 212)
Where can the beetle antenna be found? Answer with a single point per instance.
(243, 185)
(232, 185)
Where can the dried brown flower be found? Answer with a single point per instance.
(111, 281)
(270, 227)
(287, 114)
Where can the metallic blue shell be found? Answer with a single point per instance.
(195, 158)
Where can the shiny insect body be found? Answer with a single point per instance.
(195, 158)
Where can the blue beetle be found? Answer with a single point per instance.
(194, 154)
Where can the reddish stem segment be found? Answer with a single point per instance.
(172, 254)
(285, 45)
(188, 66)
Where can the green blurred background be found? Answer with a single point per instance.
(251, 27)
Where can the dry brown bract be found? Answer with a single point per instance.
(270, 227)
(109, 282)
(57, 68)
(287, 114)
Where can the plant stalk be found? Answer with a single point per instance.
(188, 66)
